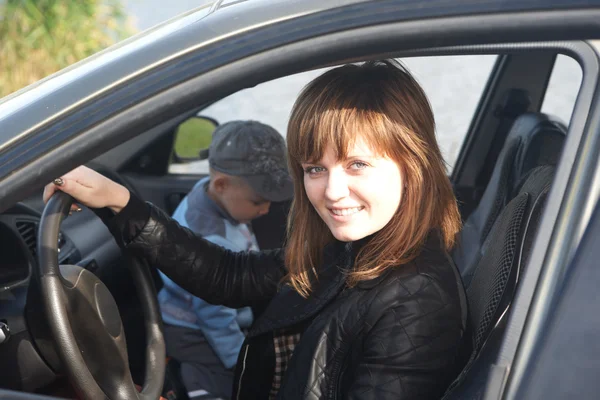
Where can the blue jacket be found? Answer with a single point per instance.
(220, 325)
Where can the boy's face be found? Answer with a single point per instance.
(240, 200)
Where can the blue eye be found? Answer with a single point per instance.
(313, 170)
(358, 165)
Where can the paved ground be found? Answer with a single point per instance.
(453, 85)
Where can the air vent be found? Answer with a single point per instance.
(28, 233)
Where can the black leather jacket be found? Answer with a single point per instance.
(394, 337)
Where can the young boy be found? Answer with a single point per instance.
(247, 172)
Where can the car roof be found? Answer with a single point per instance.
(32, 106)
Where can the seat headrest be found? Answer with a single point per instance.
(539, 141)
(534, 140)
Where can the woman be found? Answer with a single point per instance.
(364, 301)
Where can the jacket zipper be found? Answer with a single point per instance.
(337, 374)
(242, 373)
(334, 388)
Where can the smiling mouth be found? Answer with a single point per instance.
(343, 212)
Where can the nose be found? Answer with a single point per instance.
(337, 186)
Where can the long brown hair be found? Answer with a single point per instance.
(381, 103)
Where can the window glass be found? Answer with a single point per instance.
(453, 84)
(563, 88)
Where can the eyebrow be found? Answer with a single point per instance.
(359, 156)
(349, 157)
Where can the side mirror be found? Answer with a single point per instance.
(192, 137)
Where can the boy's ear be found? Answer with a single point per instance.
(221, 183)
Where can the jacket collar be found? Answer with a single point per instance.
(289, 308)
(433, 241)
(200, 201)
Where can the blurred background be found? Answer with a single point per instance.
(40, 37)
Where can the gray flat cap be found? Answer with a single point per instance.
(256, 153)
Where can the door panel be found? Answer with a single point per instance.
(567, 360)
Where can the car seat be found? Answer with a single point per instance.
(534, 140)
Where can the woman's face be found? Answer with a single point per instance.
(357, 196)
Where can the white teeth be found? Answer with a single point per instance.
(347, 211)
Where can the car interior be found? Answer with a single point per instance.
(502, 178)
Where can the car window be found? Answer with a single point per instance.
(453, 84)
(563, 88)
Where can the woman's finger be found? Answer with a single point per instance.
(69, 186)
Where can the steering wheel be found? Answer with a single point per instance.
(85, 322)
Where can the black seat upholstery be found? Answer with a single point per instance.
(534, 140)
(495, 276)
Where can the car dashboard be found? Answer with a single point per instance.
(18, 235)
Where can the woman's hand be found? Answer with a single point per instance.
(90, 188)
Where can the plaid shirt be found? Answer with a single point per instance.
(284, 344)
